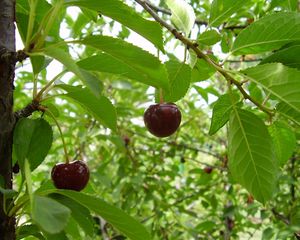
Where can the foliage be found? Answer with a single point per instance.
(97, 64)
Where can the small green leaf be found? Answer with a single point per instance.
(252, 161)
(50, 215)
(288, 57)
(284, 140)
(183, 15)
(179, 77)
(32, 140)
(78, 212)
(221, 111)
(87, 78)
(124, 14)
(202, 71)
(221, 10)
(29, 230)
(268, 33)
(209, 37)
(100, 107)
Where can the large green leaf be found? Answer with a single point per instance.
(134, 57)
(183, 15)
(87, 78)
(288, 57)
(221, 111)
(284, 140)
(252, 161)
(32, 140)
(279, 80)
(101, 107)
(116, 217)
(49, 214)
(179, 77)
(122, 13)
(221, 10)
(269, 33)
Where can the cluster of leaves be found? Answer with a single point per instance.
(160, 182)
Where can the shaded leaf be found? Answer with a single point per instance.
(288, 57)
(116, 217)
(32, 140)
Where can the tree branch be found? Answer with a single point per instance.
(194, 46)
(28, 110)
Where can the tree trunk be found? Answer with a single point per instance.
(7, 68)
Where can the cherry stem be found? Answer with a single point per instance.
(161, 97)
(61, 135)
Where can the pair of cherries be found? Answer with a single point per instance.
(162, 120)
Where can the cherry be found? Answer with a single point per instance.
(126, 140)
(208, 170)
(250, 199)
(74, 175)
(16, 168)
(163, 119)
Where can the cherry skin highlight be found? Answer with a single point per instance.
(73, 176)
(163, 119)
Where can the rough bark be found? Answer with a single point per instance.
(7, 67)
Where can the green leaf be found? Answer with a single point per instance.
(8, 193)
(252, 161)
(284, 140)
(50, 215)
(32, 140)
(221, 10)
(202, 71)
(103, 62)
(279, 80)
(209, 37)
(100, 107)
(179, 77)
(288, 57)
(221, 111)
(134, 57)
(183, 15)
(116, 217)
(288, 112)
(78, 212)
(87, 78)
(29, 230)
(268, 33)
(122, 13)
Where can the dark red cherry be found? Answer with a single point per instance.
(163, 119)
(208, 169)
(74, 175)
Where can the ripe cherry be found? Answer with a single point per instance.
(208, 170)
(163, 119)
(74, 175)
(126, 140)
